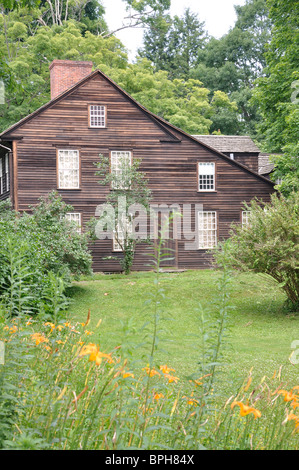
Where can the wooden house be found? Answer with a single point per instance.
(89, 115)
(240, 148)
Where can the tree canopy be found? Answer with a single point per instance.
(246, 82)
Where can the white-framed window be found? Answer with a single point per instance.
(68, 169)
(97, 115)
(206, 176)
(1, 177)
(120, 160)
(7, 171)
(245, 218)
(76, 218)
(119, 235)
(232, 156)
(207, 229)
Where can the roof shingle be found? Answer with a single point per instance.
(229, 143)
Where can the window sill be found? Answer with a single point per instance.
(69, 189)
(207, 191)
(201, 249)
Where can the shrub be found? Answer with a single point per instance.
(268, 244)
(34, 248)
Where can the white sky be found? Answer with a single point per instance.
(218, 15)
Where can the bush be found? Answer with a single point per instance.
(268, 244)
(35, 248)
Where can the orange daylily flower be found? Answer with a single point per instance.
(246, 410)
(95, 354)
(51, 325)
(151, 372)
(39, 338)
(157, 396)
(165, 369)
(287, 396)
(128, 374)
(12, 329)
(293, 417)
(171, 378)
(295, 404)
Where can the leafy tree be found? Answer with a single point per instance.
(28, 58)
(269, 244)
(233, 63)
(15, 4)
(184, 103)
(277, 94)
(155, 41)
(128, 192)
(144, 12)
(174, 44)
(87, 12)
(286, 169)
(274, 92)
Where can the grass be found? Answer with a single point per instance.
(261, 331)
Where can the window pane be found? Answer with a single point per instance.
(97, 116)
(76, 218)
(246, 217)
(120, 161)
(207, 229)
(7, 171)
(119, 235)
(206, 176)
(68, 161)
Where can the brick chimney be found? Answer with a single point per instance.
(66, 73)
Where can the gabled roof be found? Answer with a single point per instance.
(229, 143)
(168, 128)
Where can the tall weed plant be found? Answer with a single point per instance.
(73, 395)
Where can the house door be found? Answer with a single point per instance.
(165, 227)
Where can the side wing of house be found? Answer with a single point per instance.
(57, 150)
(5, 173)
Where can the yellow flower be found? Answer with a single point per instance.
(12, 329)
(95, 354)
(165, 369)
(127, 374)
(157, 396)
(287, 396)
(151, 372)
(51, 325)
(59, 327)
(197, 383)
(292, 417)
(39, 338)
(191, 400)
(88, 349)
(246, 410)
(295, 404)
(171, 378)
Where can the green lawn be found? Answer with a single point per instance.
(261, 331)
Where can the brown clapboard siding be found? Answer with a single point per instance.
(169, 159)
